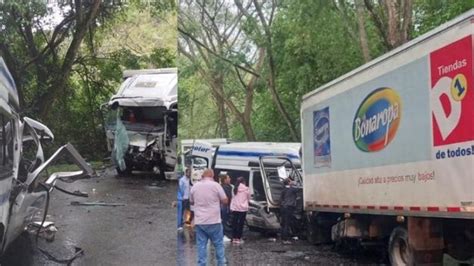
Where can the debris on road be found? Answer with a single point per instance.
(76, 193)
(47, 231)
(96, 203)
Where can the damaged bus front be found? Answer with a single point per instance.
(141, 126)
(25, 182)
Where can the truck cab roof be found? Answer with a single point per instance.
(148, 88)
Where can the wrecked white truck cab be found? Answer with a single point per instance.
(25, 183)
(142, 122)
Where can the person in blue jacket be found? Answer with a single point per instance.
(183, 197)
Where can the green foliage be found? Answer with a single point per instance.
(132, 35)
(312, 45)
(431, 13)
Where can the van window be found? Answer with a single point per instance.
(258, 190)
(199, 162)
(6, 147)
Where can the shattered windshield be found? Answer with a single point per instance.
(146, 119)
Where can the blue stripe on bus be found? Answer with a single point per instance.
(255, 154)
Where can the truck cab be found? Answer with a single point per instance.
(141, 122)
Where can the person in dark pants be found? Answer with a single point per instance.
(239, 207)
(225, 208)
(287, 209)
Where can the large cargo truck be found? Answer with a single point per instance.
(142, 122)
(388, 150)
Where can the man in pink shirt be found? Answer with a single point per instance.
(206, 197)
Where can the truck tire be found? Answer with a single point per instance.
(399, 251)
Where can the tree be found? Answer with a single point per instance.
(212, 40)
(260, 17)
(67, 58)
(393, 20)
(43, 49)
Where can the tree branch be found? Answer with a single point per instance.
(215, 54)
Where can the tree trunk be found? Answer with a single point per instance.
(271, 64)
(223, 128)
(276, 99)
(362, 32)
(392, 23)
(47, 99)
(248, 129)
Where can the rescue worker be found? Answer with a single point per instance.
(287, 209)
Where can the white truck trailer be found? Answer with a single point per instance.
(388, 150)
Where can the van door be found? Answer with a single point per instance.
(201, 158)
(259, 217)
(274, 170)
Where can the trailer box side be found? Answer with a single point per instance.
(396, 136)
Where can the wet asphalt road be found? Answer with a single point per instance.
(140, 233)
(143, 232)
(259, 249)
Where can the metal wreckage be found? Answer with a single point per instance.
(141, 122)
(25, 183)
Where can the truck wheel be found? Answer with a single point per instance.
(399, 251)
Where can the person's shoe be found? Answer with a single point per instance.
(226, 239)
(235, 241)
(287, 242)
